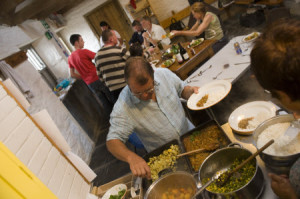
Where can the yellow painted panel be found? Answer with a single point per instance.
(21, 180)
(7, 191)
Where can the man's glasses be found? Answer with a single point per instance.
(149, 91)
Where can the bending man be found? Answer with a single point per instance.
(150, 106)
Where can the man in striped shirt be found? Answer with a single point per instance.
(110, 62)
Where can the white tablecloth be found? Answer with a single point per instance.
(226, 55)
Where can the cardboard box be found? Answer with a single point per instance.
(128, 180)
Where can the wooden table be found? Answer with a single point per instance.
(203, 51)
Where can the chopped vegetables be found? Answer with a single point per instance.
(206, 138)
(237, 180)
(119, 196)
(166, 159)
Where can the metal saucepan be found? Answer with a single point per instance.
(278, 164)
(222, 160)
(173, 180)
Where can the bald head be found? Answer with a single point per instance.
(138, 71)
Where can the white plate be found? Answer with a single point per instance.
(244, 38)
(251, 109)
(114, 191)
(221, 87)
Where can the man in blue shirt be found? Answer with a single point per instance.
(150, 106)
(137, 36)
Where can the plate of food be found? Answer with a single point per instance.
(251, 37)
(209, 95)
(247, 117)
(195, 43)
(167, 63)
(116, 192)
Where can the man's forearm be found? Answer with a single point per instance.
(119, 150)
(187, 92)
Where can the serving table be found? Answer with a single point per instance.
(203, 51)
(225, 64)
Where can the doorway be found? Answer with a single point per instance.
(114, 15)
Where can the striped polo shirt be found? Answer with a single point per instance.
(110, 63)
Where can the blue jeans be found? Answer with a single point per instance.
(103, 94)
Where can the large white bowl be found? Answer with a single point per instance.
(251, 109)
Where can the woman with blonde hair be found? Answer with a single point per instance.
(210, 25)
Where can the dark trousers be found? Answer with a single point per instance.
(103, 94)
(115, 94)
(220, 44)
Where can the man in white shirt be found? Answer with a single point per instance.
(154, 33)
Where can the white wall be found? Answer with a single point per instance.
(32, 31)
(76, 23)
(10, 40)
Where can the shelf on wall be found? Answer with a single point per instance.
(27, 43)
(59, 29)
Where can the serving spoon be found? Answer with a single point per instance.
(212, 147)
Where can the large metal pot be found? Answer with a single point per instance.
(222, 160)
(278, 164)
(178, 179)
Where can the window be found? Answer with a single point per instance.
(35, 59)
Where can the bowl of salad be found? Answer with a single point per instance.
(195, 43)
(167, 63)
(116, 192)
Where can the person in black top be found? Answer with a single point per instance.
(138, 32)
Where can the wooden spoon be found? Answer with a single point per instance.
(212, 147)
(224, 177)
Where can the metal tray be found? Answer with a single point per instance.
(199, 128)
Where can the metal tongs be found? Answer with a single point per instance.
(135, 189)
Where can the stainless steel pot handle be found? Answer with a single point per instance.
(281, 110)
(235, 144)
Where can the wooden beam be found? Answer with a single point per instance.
(16, 59)
(178, 16)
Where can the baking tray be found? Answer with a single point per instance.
(199, 128)
(181, 165)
